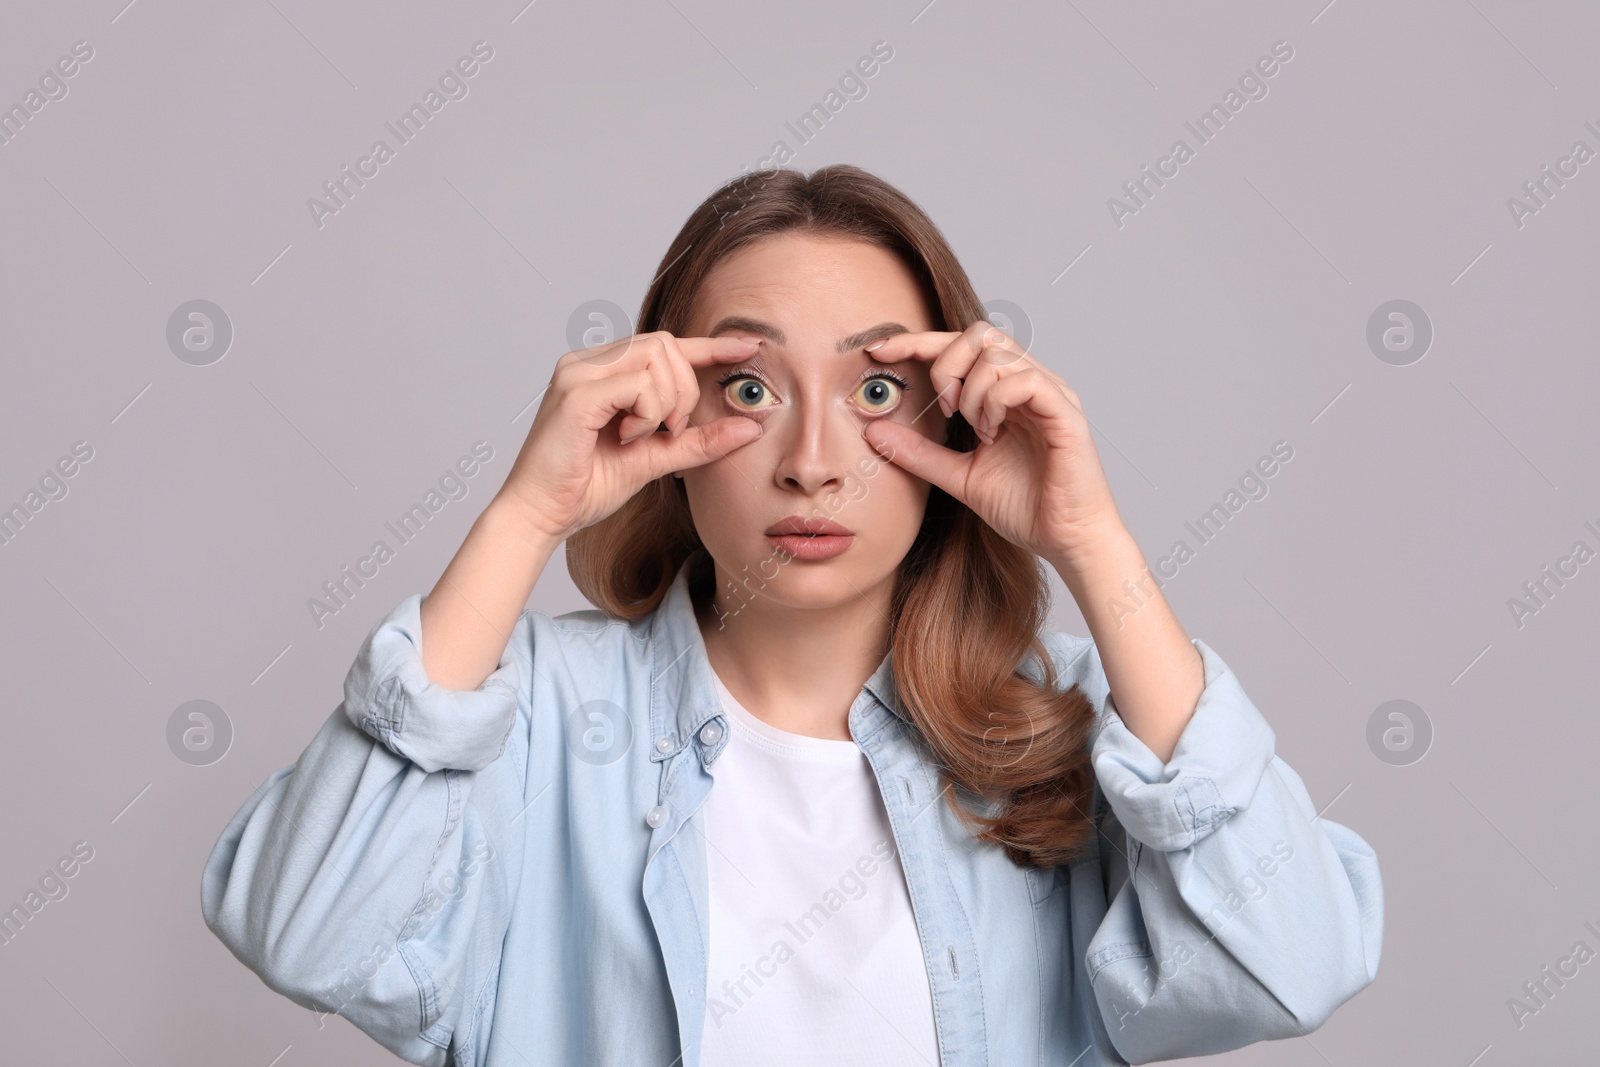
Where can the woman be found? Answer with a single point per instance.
(813, 498)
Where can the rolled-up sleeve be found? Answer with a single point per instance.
(388, 695)
(374, 878)
(1234, 914)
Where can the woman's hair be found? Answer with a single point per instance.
(967, 605)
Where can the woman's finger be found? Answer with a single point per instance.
(688, 395)
(631, 394)
(698, 444)
(637, 349)
(709, 351)
(666, 386)
(1033, 389)
(922, 456)
(999, 357)
(952, 355)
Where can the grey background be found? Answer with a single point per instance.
(368, 355)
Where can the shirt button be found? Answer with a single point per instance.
(710, 733)
(656, 816)
(663, 744)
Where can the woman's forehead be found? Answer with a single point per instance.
(791, 281)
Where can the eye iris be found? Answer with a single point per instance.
(878, 392)
(750, 392)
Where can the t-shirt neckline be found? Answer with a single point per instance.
(783, 742)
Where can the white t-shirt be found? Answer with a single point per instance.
(814, 956)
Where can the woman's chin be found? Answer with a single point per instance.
(800, 586)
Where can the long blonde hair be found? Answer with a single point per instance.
(968, 605)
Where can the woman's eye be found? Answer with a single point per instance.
(748, 393)
(878, 394)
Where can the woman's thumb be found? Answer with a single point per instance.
(703, 443)
(928, 460)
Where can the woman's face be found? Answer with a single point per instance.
(815, 302)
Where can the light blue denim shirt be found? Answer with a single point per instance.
(516, 875)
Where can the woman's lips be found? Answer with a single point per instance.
(811, 547)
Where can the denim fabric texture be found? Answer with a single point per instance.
(470, 879)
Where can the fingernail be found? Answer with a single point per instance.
(983, 426)
(874, 346)
(944, 406)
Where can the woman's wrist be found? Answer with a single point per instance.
(1093, 551)
(517, 518)
(469, 614)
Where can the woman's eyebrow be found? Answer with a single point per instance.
(867, 336)
(775, 335)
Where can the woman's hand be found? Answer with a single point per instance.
(596, 438)
(1035, 476)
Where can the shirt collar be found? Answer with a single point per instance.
(683, 691)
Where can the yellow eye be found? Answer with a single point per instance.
(878, 394)
(749, 394)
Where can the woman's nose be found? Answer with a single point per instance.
(816, 449)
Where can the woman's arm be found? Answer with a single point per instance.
(575, 468)
(1150, 662)
(469, 614)
(1234, 914)
(1036, 479)
(376, 877)
(1243, 915)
